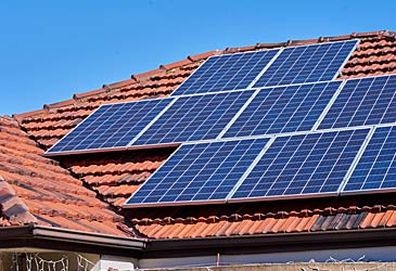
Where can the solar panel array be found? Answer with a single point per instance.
(302, 64)
(263, 125)
(284, 109)
(208, 116)
(226, 72)
(200, 172)
(194, 118)
(111, 126)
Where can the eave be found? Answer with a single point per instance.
(59, 239)
(39, 237)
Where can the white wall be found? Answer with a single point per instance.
(119, 263)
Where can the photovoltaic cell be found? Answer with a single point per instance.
(199, 172)
(111, 126)
(197, 117)
(303, 164)
(226, 72)
(376, 168)
(364, 101)
(311, 63)
(284, 109)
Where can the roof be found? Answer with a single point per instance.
(86, 192)
(35, 189)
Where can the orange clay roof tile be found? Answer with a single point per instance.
(268, 224)
(32, 185)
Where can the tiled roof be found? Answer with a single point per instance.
(115, 176)
(327, 219)
(35, 189)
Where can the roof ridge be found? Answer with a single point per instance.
(138, 79)
(257, 46)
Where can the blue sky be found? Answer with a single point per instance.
(52, 49)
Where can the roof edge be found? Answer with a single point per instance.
(36, 236)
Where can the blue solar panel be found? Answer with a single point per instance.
(197, 117)
(302, 64)
(376, 168)
(111, 126)
(199, 172)
(302, 165)
(284, 109)
(226, 72)
(364, 101)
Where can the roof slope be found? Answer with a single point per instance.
(35, 189)
(114, 177)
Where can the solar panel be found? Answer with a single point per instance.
(313, 163)
(226, 72)
(196, 117)
(311, 63)
(376, 168)
(284, 109)
(365, 101)
(111, 126)
(199, 172)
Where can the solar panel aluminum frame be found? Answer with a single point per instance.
(313, 44)
(236, 116)
(329, 105)
(368, 191)
(357, 159)
(196, 202)
(307, 195)
(48, 153)
(347, 58)
(250, 168)
(249, 87)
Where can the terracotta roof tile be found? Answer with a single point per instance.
(35, 189)
(267, 224)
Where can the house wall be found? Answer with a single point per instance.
(378, 266)
(57, 260)
(384, 254)
(19, 260)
